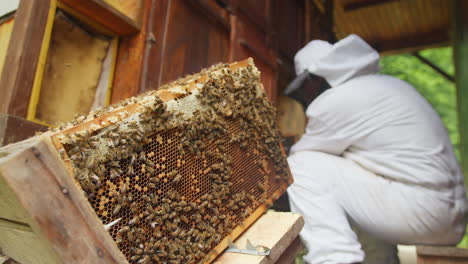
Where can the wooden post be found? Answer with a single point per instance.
(460, 48)
(21, 61)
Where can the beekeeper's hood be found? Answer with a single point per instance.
(346, 59)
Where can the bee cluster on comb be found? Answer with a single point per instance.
(180, 167)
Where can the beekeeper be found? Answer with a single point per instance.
(374, 154)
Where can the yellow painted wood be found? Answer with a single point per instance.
(41, 63)
(75, 65)
(5, 33)
(115, 49)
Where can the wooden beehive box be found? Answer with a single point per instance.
(184, 169)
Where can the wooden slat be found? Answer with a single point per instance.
(6, 28)
(18, 75)
(364, 4)
(14, 129)
(290, 254)
(104, 14)
(131, 58)
(275, 230)
(61, 217)
(442, 251)
(191, 40)
(157, 29)
(247, 41)
(394, 26)
(23, 245)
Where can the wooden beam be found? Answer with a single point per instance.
(434, 67)
(351, 6)
(22, 59)
(442, 251)
(460, 48)
(104, 14)
(412, 42)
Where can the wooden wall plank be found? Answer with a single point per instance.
(193, 42)
(248, 41)
(17, 78)
(130, 59)
(6, 28)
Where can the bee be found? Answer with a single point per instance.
(146, 198)
(114, 174)
(144, 260)
(124, 229)
(172, 174)
(177, 178)
(117, 209)
(124, 188)
(134, 220)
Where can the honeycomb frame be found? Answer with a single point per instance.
(254, 182)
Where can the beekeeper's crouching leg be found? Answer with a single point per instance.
(329, 189)
(326, 233)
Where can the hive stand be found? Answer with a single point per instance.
(441, 255)
(276, 230)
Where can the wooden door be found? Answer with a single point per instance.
(190, 35)
(248, 41)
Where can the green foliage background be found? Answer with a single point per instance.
(439, 91)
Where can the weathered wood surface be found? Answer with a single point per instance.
(14, 129)
(60, 217)
(442, 251)
(290, 254)
(130, 8)
(441, 255)
(131, 59)
(74, 66)
(17, 77)
(105, 14)
(21, 242)
(6, 27)
(275, 230)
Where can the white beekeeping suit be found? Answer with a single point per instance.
(374, 153)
